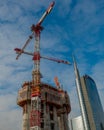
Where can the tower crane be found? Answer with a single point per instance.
(35, 99)
(36, 30)
(35, 120)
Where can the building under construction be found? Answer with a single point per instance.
(45, 107)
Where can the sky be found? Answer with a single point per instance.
(73, 27)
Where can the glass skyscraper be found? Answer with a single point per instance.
(90, 104)
(93, 107)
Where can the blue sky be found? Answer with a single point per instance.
(73, 26)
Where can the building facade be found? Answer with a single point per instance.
(76, 123)
(90, 104)
(94, 110)
(47, 110)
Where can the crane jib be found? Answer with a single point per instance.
(46, 13)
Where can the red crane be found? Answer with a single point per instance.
(35, 119)
(36, 30)
(19, 51)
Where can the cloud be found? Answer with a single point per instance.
(9, 104)
(63, 7)
(85, 21)
(11, 119)
(10, 114)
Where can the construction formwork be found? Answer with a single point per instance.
(44, 107)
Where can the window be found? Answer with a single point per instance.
(51, 116)
(42, 125)
(52, 126)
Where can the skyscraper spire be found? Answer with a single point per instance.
(81, 102)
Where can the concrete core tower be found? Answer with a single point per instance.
(47, 110)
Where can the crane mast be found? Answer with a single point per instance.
(37, 30)
(36, 57)
(35, 120)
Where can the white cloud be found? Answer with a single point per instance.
(7, 12)
(63, 7)
(10, 114)
(10, 102)
(11, 120)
